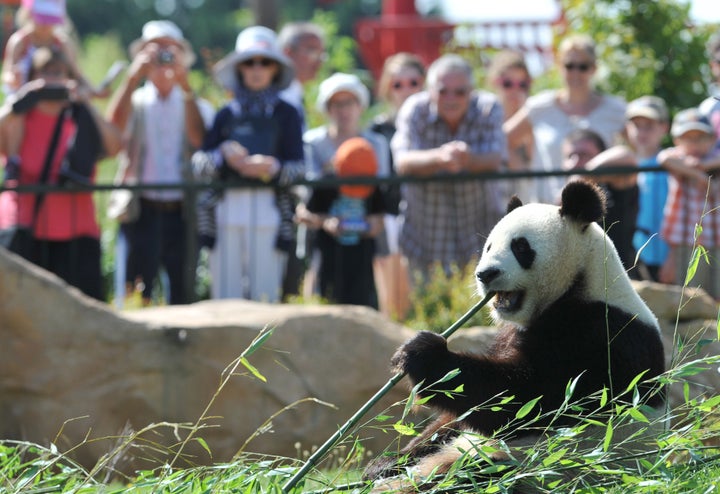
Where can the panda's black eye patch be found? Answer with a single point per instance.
(522, 251)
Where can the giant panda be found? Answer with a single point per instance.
(567, 312)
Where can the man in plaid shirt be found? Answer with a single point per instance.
(448, 129)
(693, 198)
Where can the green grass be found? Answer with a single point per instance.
(683, 459)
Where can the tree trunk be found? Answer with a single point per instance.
(266, 12)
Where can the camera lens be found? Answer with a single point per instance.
(165, 57)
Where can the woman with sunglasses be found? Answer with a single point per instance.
(255, 141)
(509, 78)
(550, 115)
(403, 75)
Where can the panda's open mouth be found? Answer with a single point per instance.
(509, 301)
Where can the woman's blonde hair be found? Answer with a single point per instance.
(393, 64)
(577, 42)
(505, 60)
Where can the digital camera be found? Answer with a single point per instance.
(165, 57)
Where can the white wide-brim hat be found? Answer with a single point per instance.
(155, 30)
(341, 82)
(255, 41)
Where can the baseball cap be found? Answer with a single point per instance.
(652, 107)
(46, 11)
(356, 158)
(690, 119)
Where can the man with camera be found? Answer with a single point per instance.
(164, 122)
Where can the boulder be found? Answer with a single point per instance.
(77, 374)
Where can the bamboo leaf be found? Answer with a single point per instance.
(638, 415)
(554, 457)
(710, 404)
(603, 398)
(204, 445)
(526, 408)
(570, 388)
(258, 342)
(405, 430)
(692, 268)
(634, 382)
(252, 369)
(411, 399)
(453, 373)
(608, 436)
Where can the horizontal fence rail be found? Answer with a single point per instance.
(330, 181)
(109, 227)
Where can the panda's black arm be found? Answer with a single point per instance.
(478, 385)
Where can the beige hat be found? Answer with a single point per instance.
(652, 107)
(338, 83)
(155, 30)
(254, 41)
(690, 119)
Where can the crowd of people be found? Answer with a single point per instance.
(269, 239)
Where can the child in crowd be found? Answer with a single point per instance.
(584, 149)
(348, 218)
(646, 124)
(692, 200)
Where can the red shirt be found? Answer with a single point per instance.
(62, 216)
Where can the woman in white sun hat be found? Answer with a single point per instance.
(256, 139)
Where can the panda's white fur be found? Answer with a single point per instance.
(565, 246)
(567, 309)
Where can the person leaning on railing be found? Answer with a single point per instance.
(448, 129)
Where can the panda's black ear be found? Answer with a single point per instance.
(582, 201)
(513, 203)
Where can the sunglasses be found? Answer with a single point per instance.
(459, 92)
(582, 67)
(509, 83)
(412, 83)
(315, 54)
(261, 62)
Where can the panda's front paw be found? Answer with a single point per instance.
(423, 350)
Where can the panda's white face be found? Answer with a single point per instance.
(537, 252)
(529, 260)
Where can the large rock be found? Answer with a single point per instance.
(689, 321)
(71, 367)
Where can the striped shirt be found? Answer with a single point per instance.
(685, 207)
(448, 222)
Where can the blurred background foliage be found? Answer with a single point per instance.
(644, 46)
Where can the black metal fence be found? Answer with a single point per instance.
(114, 284)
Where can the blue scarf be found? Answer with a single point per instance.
(257, 103)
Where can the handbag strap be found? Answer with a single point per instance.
(45, 173)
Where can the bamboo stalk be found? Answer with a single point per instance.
(322, 451)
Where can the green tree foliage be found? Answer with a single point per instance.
(646, 47)
(207, 23)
